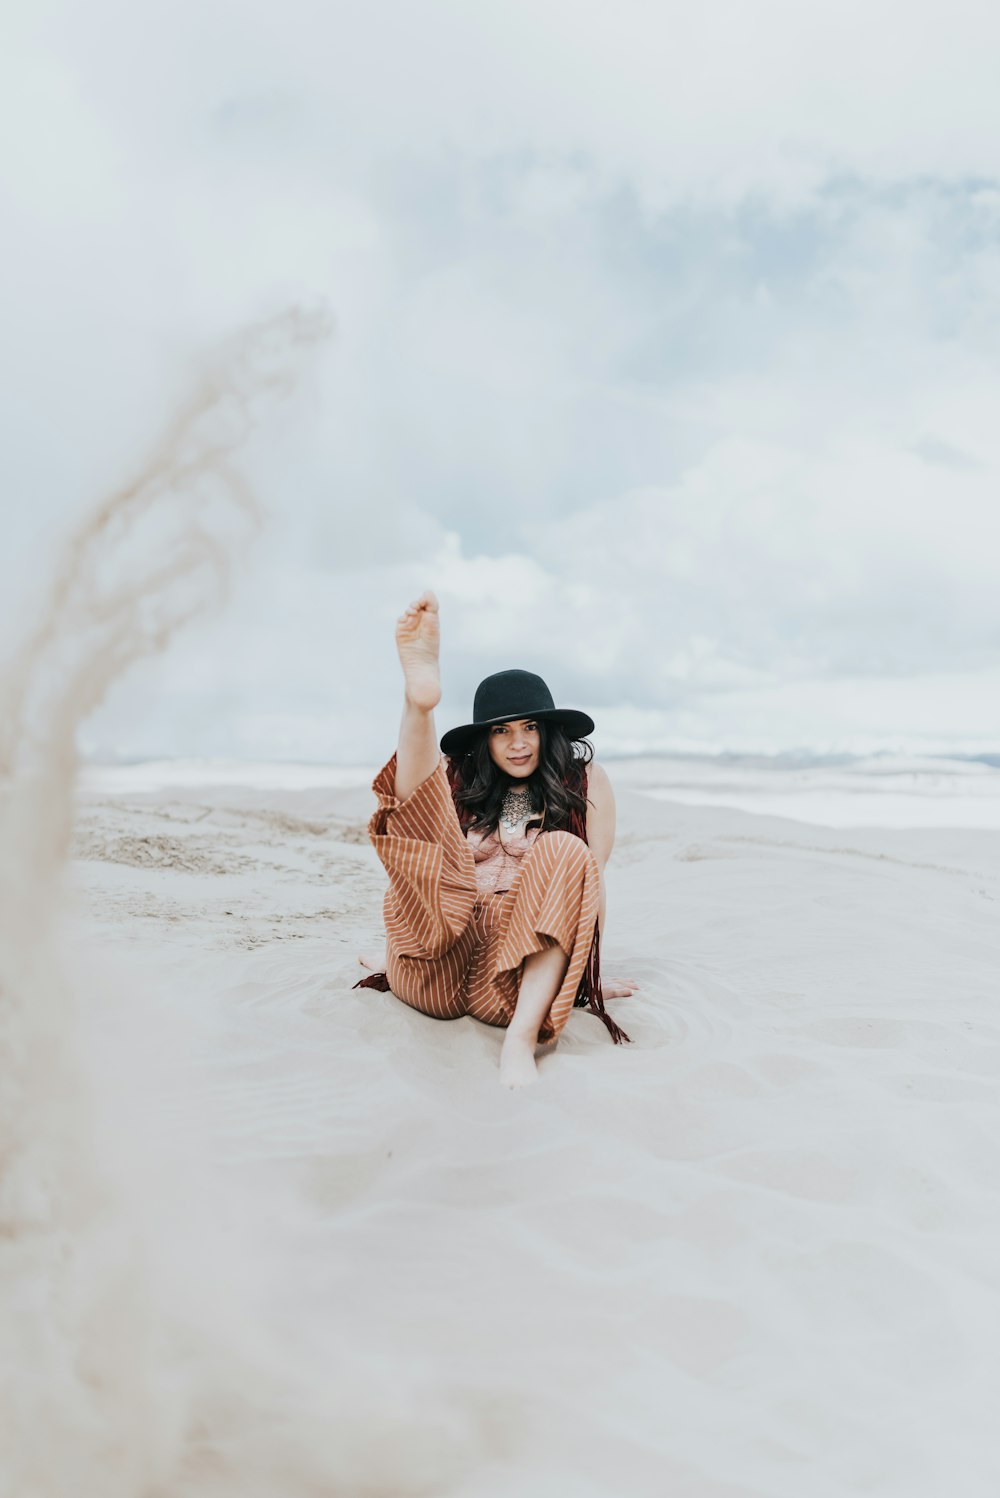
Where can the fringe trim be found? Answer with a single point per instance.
(375, 980)
(590, 994)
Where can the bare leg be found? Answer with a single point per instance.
(418, 642)
(541, 980)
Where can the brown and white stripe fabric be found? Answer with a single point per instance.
(455, 951)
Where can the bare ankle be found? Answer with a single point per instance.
(417, 752)
(517, 1061)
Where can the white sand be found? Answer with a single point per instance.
(757, 1252)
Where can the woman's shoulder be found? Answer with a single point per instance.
(600, 792)
(596, 777)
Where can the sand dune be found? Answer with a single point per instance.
(753, 1253)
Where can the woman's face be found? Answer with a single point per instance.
(515, 747)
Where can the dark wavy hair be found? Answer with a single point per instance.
(558, 787)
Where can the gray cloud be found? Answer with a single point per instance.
(673, 367)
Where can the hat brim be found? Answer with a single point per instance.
(577, 725)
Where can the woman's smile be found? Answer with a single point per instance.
(522, 763)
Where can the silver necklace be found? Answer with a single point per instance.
(516, 808)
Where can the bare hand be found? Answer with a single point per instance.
(618, 988)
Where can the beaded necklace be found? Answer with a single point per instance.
(516, 808)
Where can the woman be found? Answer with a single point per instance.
(495, 860)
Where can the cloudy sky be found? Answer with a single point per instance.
(667, 350)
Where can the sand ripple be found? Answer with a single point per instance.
(752, 1255)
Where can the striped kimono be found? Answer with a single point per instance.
(456, 945)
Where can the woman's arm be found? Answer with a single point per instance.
(600, 824)
(601, 837)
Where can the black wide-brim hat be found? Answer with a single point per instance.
(513, 694)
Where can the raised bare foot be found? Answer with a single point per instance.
(418, 640)
(517, 1060)
(373, 961)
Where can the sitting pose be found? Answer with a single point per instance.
(495, 856)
